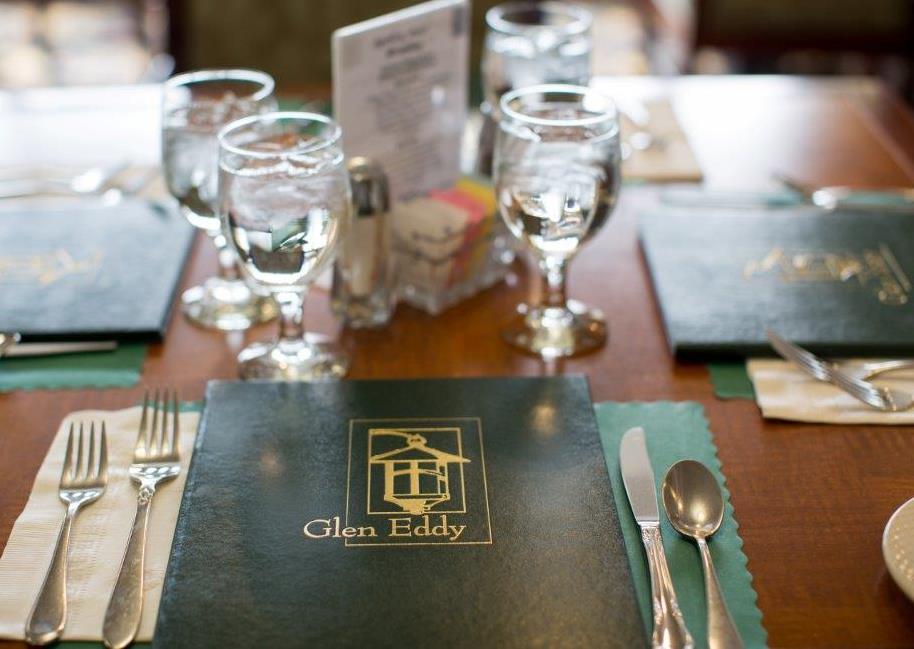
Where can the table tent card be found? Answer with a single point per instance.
(400, 93)
(400, 85)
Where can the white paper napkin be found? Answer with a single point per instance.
(783, 391)
(671, 159)
(98, 537)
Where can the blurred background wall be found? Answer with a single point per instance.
(50, 42)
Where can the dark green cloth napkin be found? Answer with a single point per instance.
(731, 381)
(118, 368)
(677, 431)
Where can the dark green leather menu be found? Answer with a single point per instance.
(91, 272)
(419, 513)
(838, 283)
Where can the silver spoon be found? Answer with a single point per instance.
(695, 506)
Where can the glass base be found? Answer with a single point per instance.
(227, 305)
(309, 359)
(554, 332)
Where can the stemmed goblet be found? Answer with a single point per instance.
(529, 43)
(557, 177)
(195, 106)
(284, 201)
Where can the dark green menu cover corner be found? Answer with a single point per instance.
(421, 513)
(838, 283)
(91, 272)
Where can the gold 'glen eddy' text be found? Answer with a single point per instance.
(435, 526)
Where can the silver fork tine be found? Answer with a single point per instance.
(174, 450)
(67, 473)
(870, 398)
(103, 455)
(810, 366)
(824, 371)
(163, 433)
(140, 446)
(153, 431)
(78, 469)
(857, 388)
(90, 462)
(799, 356)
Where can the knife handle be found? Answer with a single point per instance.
(670, 631)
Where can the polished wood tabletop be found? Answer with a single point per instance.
(811, 500)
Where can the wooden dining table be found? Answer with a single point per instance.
(811, 500)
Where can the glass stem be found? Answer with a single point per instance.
(291, 317)
(553, 271)
(227, 263)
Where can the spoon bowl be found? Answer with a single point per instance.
(692, 499)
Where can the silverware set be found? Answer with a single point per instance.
(828, 198)
(889, 199)
(854, 380)
(694, 505)
(111, 183)
(156, 459)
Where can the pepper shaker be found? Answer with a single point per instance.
(362, 294)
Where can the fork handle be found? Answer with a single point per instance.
(876, 368)
(49, 613)
(125, 608)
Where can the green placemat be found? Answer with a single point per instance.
(677, 431)
(731, 381)
(115, 369)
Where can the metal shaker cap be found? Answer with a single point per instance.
(370, 192)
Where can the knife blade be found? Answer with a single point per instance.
(670, 631)
(638, 477)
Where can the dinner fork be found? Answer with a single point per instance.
(156, 459)
(92, 181)
(82, 481)
(878, 397)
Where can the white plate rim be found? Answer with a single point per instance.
(906, 585)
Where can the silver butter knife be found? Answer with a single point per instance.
(670, 631)
(10, 346)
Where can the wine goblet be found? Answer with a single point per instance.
(557, 177)
(284, 202)
(195, 106)
(529, 43)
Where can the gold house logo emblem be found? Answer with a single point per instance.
(416, 476)
(415, 482)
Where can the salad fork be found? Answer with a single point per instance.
(878, 397)
(156, 459)
(82, 481)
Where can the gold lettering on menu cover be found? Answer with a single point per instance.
(48, 267)
(412, 482)
(875, 269)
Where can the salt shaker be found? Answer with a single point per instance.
(362, 294)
